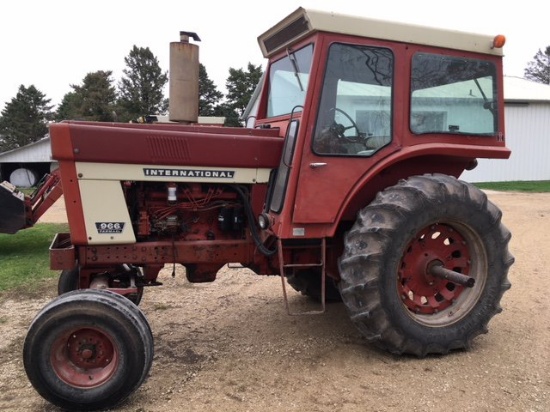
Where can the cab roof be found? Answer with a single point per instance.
(304, 22)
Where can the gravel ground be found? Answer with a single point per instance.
(229, 345)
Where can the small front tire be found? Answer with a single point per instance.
(88, 350)
(68, 280)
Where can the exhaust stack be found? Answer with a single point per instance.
(184, 79)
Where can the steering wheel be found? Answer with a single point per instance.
(340, 129)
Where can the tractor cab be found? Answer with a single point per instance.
(364, 103)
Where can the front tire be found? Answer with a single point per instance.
(68, 280)
(386, 284)
(88, 350)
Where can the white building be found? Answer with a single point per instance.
(527, 118)
(25, 165)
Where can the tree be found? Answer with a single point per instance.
(538, 70)
(141, 88)
(231, 117)
(94, 100)
(209, 95)
(240, 87)
(69, 107)
(25, 118)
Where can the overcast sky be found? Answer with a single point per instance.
(52, 44)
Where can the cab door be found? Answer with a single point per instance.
(354, 123)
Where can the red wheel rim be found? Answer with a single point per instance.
(421, 292)
(84, 358)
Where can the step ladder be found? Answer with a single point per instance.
(283, 267)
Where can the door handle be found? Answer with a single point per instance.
(317, 165)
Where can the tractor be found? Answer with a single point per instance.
(345, 183)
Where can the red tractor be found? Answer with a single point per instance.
(346, 186)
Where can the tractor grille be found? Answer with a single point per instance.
(168, 148)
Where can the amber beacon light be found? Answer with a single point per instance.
(499, 41)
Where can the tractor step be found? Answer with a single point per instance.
(320, 264)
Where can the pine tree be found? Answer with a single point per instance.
(93, 100)
(231, 117)
(69, 109)
(141, 88)
(240, 87)
(209, 95)
(25, 118)
(538, 70)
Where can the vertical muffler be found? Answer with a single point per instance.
(184, 79)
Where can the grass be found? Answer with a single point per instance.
(25, 255)
(540, 186)
(28, 191)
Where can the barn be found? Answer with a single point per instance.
(24, 166)
(527, 118)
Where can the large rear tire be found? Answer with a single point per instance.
(88, 349)
(386, 284)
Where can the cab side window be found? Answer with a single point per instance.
(453, 95)
(355, 114)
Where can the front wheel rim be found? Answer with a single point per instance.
(84, 357)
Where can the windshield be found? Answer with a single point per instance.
(288, 81)
(453, 95)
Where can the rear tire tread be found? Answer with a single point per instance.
(362, 266)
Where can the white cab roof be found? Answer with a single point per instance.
(303, 22)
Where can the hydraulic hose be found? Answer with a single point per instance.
(252, 223)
